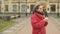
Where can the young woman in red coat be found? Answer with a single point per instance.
(38, 21)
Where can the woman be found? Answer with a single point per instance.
(38, 21)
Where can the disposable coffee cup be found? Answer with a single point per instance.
(46, 18)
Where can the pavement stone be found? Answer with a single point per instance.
(16, 27)
(50, 29)
(25, 27)
(56, 22)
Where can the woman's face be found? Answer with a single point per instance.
(40, 9)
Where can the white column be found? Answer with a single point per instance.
(2, 6)
(48, 7)
(10, 6)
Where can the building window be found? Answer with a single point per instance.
(53, 8)
(5, 0)
(48, 9)
(24, 8)
(31, 7)
(14, 7)
(6, 7)
(46, 0)
(14, 0)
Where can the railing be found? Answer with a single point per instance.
(11, 14)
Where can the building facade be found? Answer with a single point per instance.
(22, 6)
(54, 6)
(0, 6)
(26, 6)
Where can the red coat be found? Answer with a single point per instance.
(38, 24)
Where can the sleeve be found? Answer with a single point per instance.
(46, 23)
(36, 24)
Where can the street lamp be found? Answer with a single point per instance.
(19, 7)
(58, 9)
(26, 7)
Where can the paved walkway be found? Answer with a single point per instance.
(51, 28)
(24, 27)
(21, 22)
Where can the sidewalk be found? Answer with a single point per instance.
(26, 30)
(56, 22)
(24, 27)
(21, 22)
(51, 28)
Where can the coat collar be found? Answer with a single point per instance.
(39, 15)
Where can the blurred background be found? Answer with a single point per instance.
(15, 16)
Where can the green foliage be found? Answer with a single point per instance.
(5, 24)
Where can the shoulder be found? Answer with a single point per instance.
(33, 16)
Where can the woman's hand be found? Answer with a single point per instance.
(46, 19)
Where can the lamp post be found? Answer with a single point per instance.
(58, 9)
(19, 7)
(26, 7)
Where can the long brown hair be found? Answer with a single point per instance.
(35, 8)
